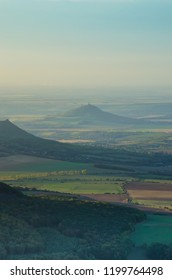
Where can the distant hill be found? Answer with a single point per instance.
(14, 140)
(10, 131)
(90, 114)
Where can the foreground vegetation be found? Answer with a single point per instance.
(58, 227)
(153, 238)
(155, 229)
(64, 227)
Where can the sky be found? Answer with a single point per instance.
(86, 43)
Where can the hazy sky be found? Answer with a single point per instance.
(86, 43)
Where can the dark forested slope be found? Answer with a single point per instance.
(59, 227)
(14, 140)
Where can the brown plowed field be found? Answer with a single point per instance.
(149, 191)
(152, 195)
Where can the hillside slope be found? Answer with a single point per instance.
(7, 191)
(92, 115)
(14, 140)
(10, 131)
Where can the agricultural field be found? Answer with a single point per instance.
(53, 175)
(152, 140)
(76, 187)
(156, 194)
(67, 181)
(95, 183)
(25, 163)
(85, 179)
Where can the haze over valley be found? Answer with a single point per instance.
(66, 150)
(85, 130)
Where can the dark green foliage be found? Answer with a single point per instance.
(117, 248)
(17, 237)
(60, 228)
(6, 190)
(159, 251)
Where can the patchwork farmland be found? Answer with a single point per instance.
(152, 194)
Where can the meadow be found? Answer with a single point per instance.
(156, 228)
(25, 163)
(76, 184)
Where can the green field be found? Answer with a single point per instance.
(78, 184)
(155, 203)
(53, 166)
(157, 228)
(158, 181)
(24, 163)
(79, 188)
